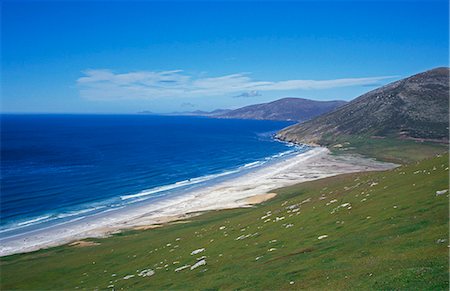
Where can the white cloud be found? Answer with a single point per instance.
(107, 85)
(252, 93)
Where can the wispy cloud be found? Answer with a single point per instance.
(188, 104)
(252, 93)
(108, 85)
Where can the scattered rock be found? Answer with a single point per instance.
(348, 205)
(146, 273)
(331, 201)
(441, 192)
(197, 251)
(182, 268)
(305, 201)
(198, 264)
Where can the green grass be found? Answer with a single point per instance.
(387, 240)
(387, 149)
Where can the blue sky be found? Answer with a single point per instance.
(125, 57)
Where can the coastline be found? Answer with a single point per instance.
(241, 191)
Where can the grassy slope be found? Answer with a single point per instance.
(387, 149)
(387, 240)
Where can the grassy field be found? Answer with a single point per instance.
(387, 149)
(385, 230)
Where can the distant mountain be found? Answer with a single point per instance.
(147, 112)
(415, 107)
(297, 109)
(201, 113)
(218, 112)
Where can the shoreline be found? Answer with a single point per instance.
(245, 190)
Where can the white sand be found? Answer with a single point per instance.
(314, 164)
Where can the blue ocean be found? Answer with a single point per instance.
(58, 167)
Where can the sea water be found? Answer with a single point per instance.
(57, 168)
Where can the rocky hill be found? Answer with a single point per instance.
(414, 107)
(297, 109)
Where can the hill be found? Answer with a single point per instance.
(416, 107)
(297, 109)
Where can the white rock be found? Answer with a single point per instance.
(322, 236)
(441, 192)
(198, 264)
(294, 206)
(305, 201)
(331, 201)
(242, 237)
(194, 252)
(201, 258)
(146, 273)
(182, 268)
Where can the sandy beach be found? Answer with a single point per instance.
(242, 191)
